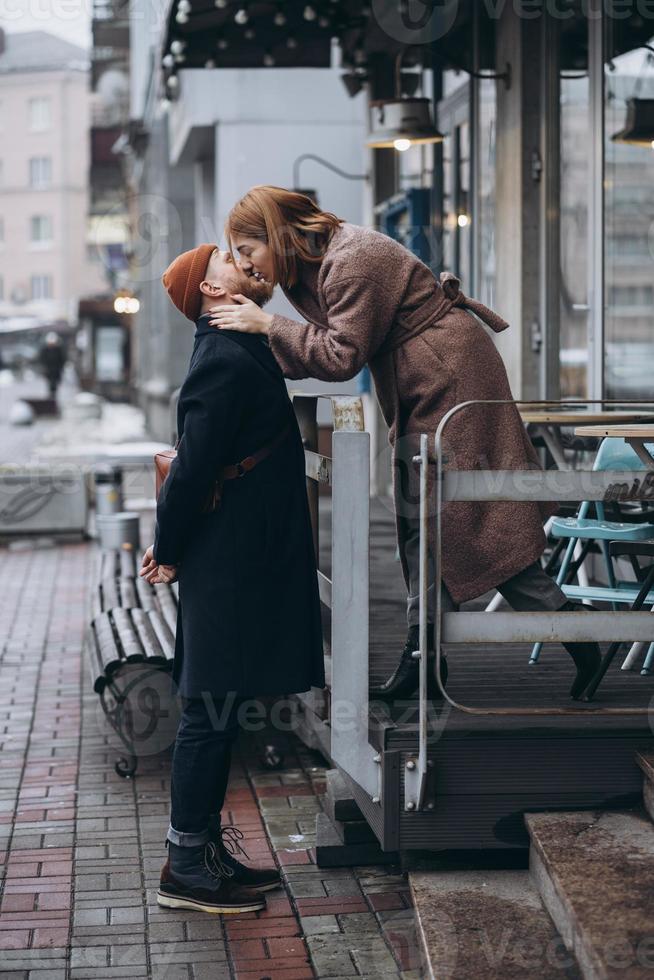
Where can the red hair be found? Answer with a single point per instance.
(290, 223)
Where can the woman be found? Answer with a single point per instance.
(368, 300)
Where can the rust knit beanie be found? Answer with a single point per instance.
(183, 276)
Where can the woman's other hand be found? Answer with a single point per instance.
(246, 316)
(167, 574)
(148, 564)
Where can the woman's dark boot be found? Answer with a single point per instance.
(587, 656)
(405, 680)
(192, 878)
(227, 840)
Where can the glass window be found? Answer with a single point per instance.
(574, 203)
(41, 228)
(40, 172)
(41, 287)
(629, 219)
(40, 114)
(485, 286)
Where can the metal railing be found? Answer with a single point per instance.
(512, 627)
(347, 593)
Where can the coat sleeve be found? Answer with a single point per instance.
(211, 403)
(360, 312)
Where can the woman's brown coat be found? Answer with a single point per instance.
(362, 301)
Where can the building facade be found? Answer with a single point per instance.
(45, 261)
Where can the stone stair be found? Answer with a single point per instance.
(585, 909)
(343, 837)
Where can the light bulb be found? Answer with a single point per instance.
(168, 61)
(222, 44)
(291, 42)
(184, 7)
(279, 18)
(241, 16)
(210, 63)
(221, 4)
(463, 220)
(248, 33)
(173, 82)
(268, 60)
(401, 144)
(309, 13)
(181, 17)
(177, 46)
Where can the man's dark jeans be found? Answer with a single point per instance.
(200, 770)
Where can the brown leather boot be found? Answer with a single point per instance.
(227, 840)
(191, 879)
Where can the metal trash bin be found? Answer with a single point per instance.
(119, 530)
(108, 482)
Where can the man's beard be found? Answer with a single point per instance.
(258, 292)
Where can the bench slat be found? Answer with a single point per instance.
(147, 636)
(128, 638)
(164, 634)
(167, 605)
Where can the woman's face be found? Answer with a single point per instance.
(254, 258)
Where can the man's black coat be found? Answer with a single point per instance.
(249, 612)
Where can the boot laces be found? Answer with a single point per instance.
(214, 864)
(230, 836)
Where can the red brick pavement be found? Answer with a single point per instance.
(81, 849)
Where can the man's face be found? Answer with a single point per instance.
(224, 272)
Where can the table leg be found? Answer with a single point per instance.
(638, 447)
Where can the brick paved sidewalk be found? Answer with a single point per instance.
(81, 849)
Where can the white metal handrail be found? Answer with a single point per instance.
(479, 627)
(347, 593)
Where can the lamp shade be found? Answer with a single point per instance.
(639, 125)
(406, 121)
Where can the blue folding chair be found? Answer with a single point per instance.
(613, 454)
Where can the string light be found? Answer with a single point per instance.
(222, 44)
(309, 12)
(221, 4)
(184, 7)
(177, 47)
(181, 17)
(168, 61)
(291, 42)
(210, 63)
(279, 18)
(249, 33)
(324, 21)
(268, 60)
(241, 16)
(173, 83)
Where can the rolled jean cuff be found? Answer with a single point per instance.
(182, 839)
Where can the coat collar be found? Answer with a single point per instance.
(254, 343)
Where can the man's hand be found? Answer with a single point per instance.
(246, 316)
(154, 573)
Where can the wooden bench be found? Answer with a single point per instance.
(130, 645)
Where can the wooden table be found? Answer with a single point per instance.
(548, 423)
(639, 437)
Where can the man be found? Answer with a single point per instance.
(249, 613)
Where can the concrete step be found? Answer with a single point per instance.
(646, 762)
(332, 852)
(486, 924)
(339, 801)
(595, 874)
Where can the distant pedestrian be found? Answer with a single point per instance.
(52, 358)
